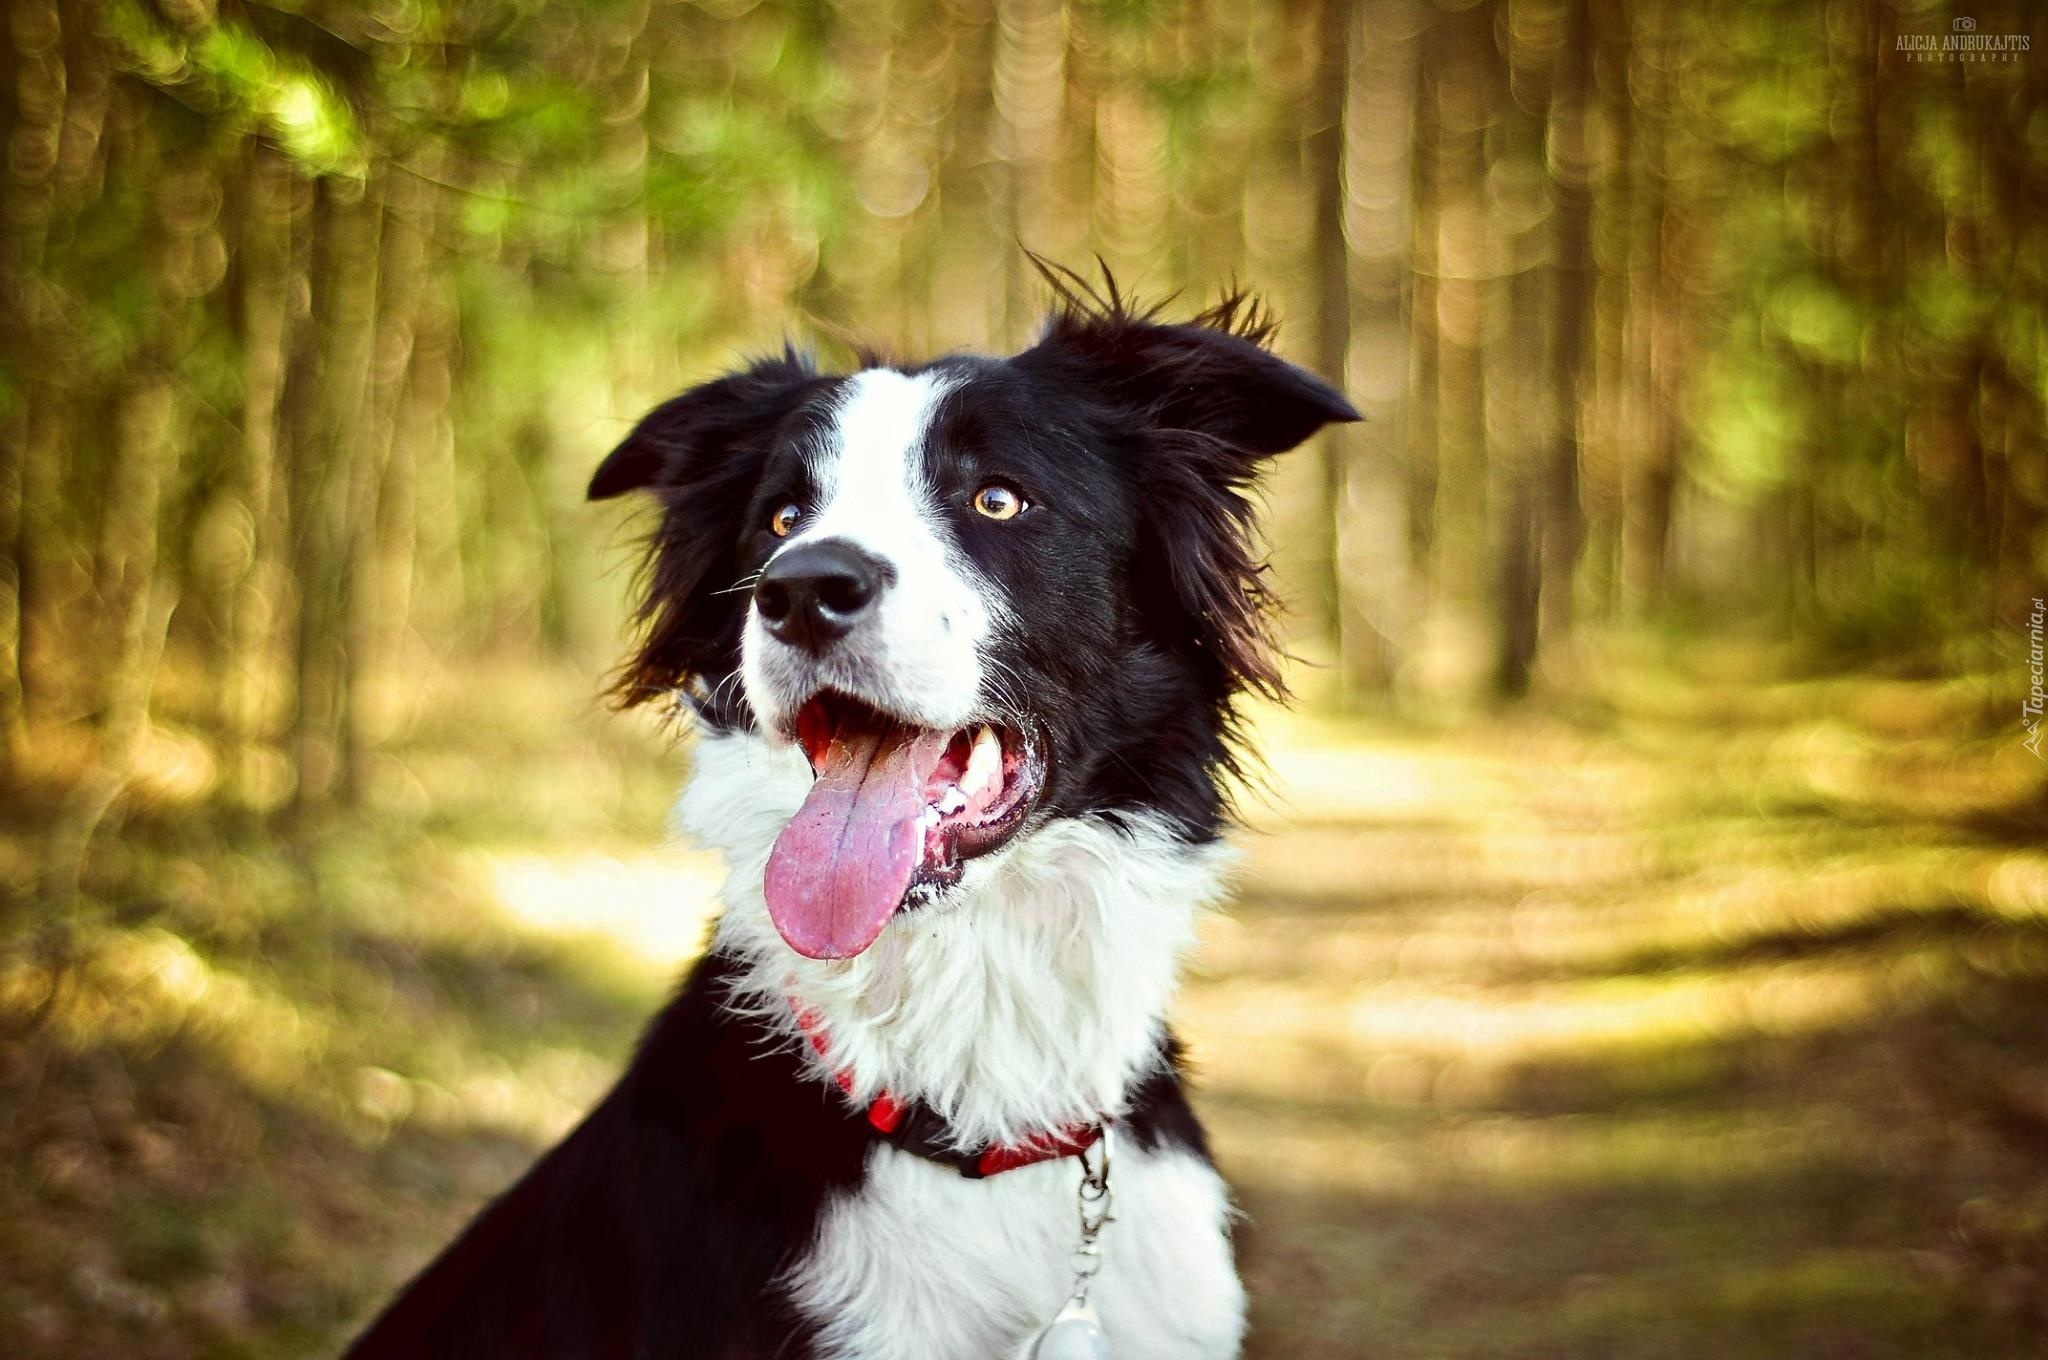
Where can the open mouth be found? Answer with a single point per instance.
(895, 811)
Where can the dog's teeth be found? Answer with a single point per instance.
(951, 801)
(984, 762)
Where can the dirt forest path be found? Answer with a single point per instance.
(1715, 1034)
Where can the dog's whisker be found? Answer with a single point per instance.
(741, 586)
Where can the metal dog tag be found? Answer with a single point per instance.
(1075, 1333)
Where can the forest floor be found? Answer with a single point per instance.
(1704, 1017)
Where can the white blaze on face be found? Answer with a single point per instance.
(920, 654)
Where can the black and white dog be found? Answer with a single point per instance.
(964, 640)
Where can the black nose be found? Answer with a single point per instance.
(813, 594)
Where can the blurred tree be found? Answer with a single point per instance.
(314, 315)
(1370, 497)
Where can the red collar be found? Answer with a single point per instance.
(915, 1128)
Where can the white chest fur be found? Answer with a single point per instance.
(1033, 998)
(923, 1264)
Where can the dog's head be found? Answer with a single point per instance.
(980, 593)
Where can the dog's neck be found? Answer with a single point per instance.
(1033, 998)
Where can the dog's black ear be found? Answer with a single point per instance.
(1205, 404)
(688, 436)
(700, 455)
(1212, 375)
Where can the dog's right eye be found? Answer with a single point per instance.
(784, 521)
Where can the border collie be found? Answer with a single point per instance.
(963, 642)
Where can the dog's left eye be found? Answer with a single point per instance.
(998, 501)
(784, 520)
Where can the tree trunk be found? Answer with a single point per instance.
(1467, 98)
(1571, 289)
(325, 393)
(966, 276)
(36, 80)
(1425, 241)
(1374, 571)
(1651, 474)
(1605, 453)
(271, 275)
(1323, 157)
(422, 428)
(403, 203)
(1027, 80)
(137, 606)
(1518, 227)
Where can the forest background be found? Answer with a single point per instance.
(1642, 945)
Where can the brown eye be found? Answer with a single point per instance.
(998, 501)
(783, 521)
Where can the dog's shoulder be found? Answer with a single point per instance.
(660, 1224)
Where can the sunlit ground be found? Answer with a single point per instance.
(1706, 1021)
(1695, 1033)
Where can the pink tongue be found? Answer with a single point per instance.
(840, 868)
